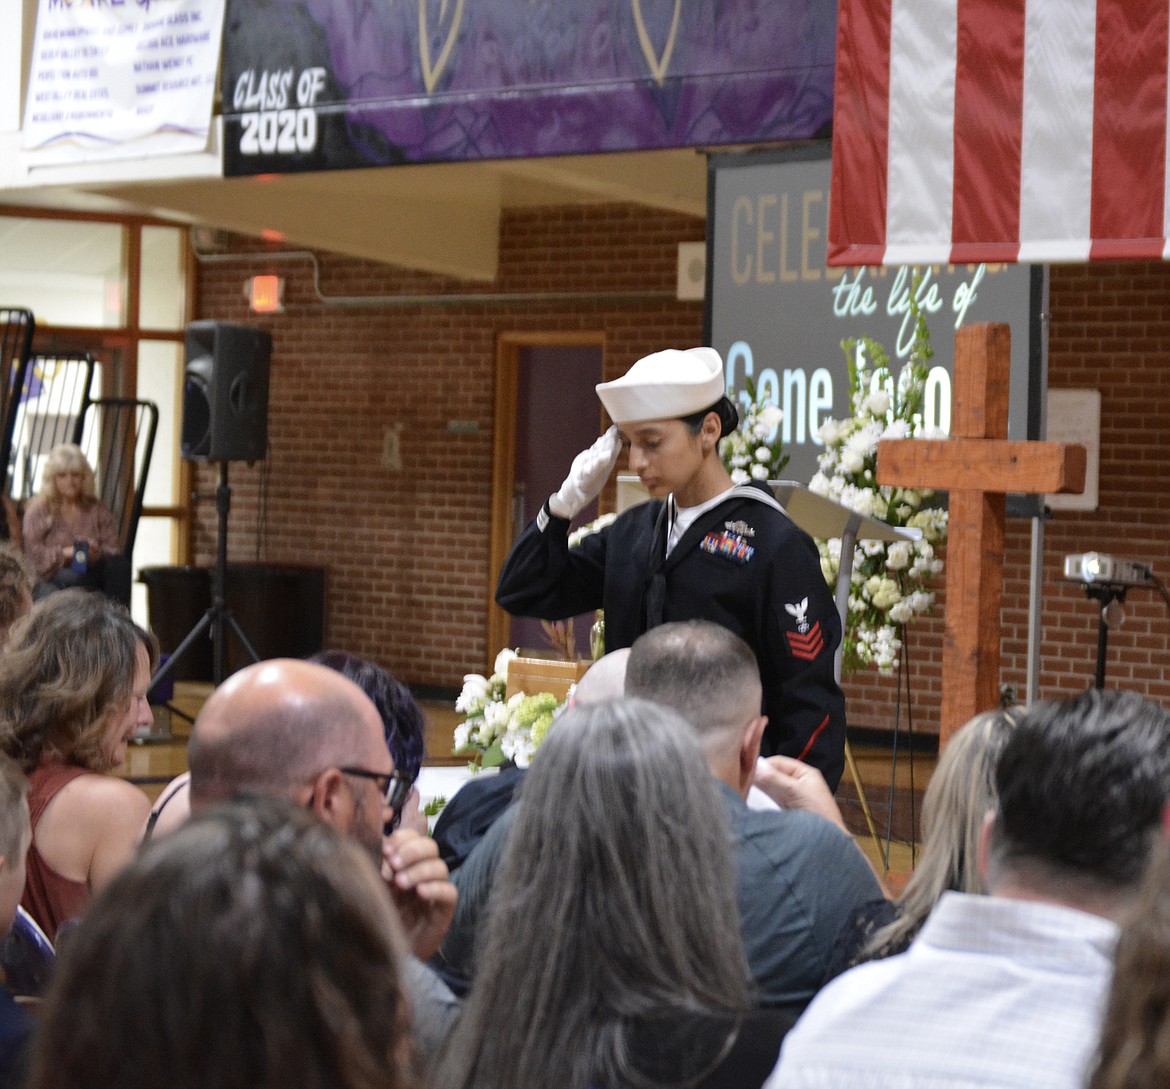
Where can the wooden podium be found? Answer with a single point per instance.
(533, 675)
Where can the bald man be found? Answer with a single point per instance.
(303, 731)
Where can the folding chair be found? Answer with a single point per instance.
(117, 438)
(53, 392)
(16, 333)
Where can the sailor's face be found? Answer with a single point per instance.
(665, 454)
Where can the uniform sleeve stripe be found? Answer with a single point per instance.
(812, 740)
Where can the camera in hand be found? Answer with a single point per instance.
(80, 562)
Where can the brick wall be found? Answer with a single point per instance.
(407, 552)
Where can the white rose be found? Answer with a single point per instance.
(763, 454)
(738, 476)
(474, 694)
(901, 612)
(898, 556)
(771, 417)
(759, 472)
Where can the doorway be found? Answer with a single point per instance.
(547, 411)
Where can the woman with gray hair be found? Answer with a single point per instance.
(612, 956)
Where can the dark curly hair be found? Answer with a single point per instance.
(402, 720)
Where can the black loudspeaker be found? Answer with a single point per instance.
(225, 392)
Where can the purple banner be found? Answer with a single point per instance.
(326, 84)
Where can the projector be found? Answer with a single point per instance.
(1096, 567)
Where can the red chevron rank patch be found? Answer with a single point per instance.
(808, 645)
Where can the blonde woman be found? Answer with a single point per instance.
(961, 793)
(64, 514)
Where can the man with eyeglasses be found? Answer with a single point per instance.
(303, 731)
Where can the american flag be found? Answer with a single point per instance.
(999, 130)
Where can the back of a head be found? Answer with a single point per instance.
(959, 796)
(1082, 785)
(270, 728)
(13, 808)
(402, 718)
(594, 920)
(701, 670)
(14, 838)
(16, 586)
(67, 665)
(253, 949)
(604, 680)
(1133, 1049)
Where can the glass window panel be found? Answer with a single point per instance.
(160, 379)
(67, 272)
(45, 417)
(160, 303)
(157, 545)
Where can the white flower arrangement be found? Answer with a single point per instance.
(754, 450)
(498, 728)
(889, 585)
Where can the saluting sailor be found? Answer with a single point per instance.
(702, 548)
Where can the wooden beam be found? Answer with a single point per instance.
(985, 465)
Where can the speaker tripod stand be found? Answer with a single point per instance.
(219, 616)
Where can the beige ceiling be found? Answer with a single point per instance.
(438, 218)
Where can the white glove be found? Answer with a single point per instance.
(587, 476)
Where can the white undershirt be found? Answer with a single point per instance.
(682, 518)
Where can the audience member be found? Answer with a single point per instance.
(65, 514)
(301, 731)
(73, 683)
(1135, 1040)
(402, 722)
(466, 818)
(15, 835)
(16, 587)
(1007, 989)
(606, 963)
(252, 949)
(958, 798)
(799, 878)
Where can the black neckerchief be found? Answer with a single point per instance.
(654, 590)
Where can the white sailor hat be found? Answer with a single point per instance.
(665, 386)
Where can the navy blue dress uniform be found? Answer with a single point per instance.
(742, 564)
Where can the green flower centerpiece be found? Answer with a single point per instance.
(499, 728)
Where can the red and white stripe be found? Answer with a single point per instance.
(995, 130)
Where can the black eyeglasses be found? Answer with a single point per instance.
(394, 785)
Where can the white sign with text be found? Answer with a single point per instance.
(121, 79)
(778, 313)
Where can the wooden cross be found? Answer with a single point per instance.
(978, 466)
